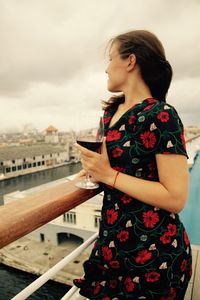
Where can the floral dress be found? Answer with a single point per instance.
(142, 252)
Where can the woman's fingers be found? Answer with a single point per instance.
(81, 174)
(84, 151)
(104, 148)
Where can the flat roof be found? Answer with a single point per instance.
(17, 152)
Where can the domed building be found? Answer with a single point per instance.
(51, 135)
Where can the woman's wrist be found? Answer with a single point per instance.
(111, 177)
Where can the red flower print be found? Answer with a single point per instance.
(171, 229)
(166, 152)
(151, 176)
(190, 272)
(148, 107)
(113, 283)
(152, 166)
(183, 140)
(163, 116)
(107, 119)
(122, 170)
(114, 264)
(172, 295)
(151, 100)
(106, 298)
(97, 289)
(107, 253)
(113, 135)
(148, 139)
(132, 119)
(129, 285)
(183, 265)
(117, 152)
(165, 238)
(186, 239)
(152, 276)
(143, 256)
(111, 216)
(79, 280)
(123, 236)
(150, 218)
(126, 199)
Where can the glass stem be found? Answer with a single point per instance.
(87, 178)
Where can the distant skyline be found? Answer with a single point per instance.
(53, 61)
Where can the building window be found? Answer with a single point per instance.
(19, 167)
(97, 221)
(7, 170)
(13, 161)
(42, 237)
(24, 166)
(39, 163)
(29, 166)
(14, 169)
(70, 217)
(34, 164)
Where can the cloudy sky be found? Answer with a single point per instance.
(52, 56)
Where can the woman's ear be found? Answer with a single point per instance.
(131, 62)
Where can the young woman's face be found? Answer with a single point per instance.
(116, 70)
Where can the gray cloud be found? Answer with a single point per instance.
(52, 55)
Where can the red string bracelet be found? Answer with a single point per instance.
(117, 173)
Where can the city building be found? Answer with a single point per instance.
(21, 160)
(51, 135)
(31, 151)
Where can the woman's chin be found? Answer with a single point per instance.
(112, 89)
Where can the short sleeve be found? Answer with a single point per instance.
(169, 130)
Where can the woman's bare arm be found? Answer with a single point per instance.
(170, 193)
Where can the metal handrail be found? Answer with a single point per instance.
(70, 293)
(35, 285)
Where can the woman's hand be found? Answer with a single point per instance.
(80, 174)
(97, 164)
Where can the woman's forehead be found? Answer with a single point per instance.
(114, 48)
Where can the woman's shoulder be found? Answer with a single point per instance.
(154, 107)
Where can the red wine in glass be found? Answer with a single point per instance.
(91, 139)
(91, 145)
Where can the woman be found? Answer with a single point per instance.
(143, 251)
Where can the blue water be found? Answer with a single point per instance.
(28, 181)
(191, 213)
(12, 281)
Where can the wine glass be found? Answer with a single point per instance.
(91, 137)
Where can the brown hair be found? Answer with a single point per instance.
(150, 56)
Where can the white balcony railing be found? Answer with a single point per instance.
(24, 294)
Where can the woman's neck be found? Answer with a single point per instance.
(135, 92)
